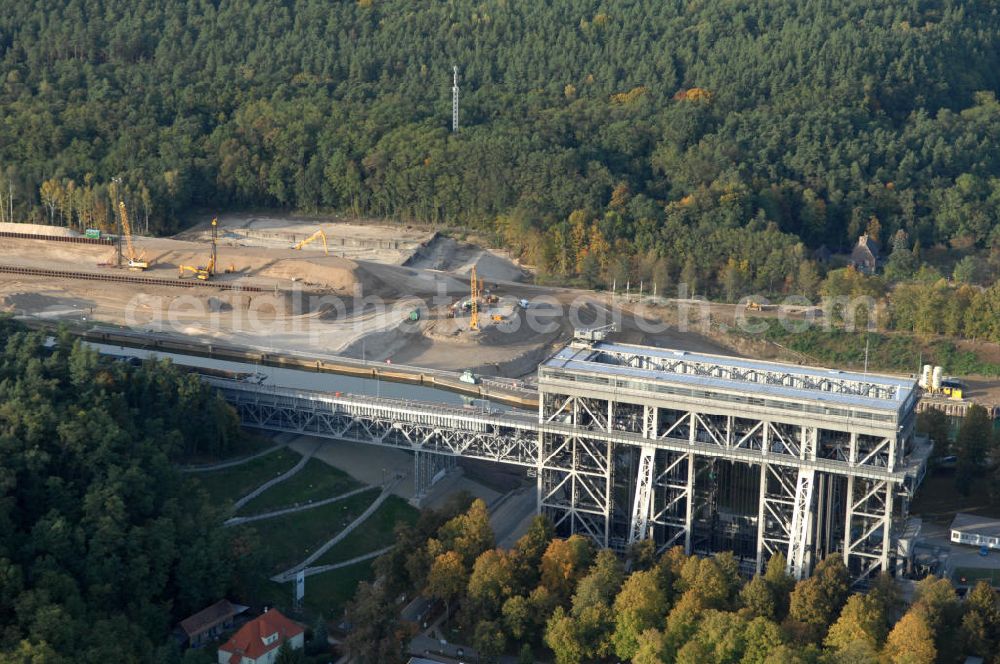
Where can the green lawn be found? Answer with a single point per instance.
(376, 533)
(292, 537)
(248, 444)
(227, 485)
(326, 594)
(289, 539)
(937, 499)
(970, 575)
(317, 480)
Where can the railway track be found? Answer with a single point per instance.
(127, 279)
(106, 241)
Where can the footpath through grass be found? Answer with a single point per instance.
(290, 538)
(376, 533)
(316, 481)
(225, 486)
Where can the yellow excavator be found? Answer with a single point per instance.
(207, 272)
(312, 238)
(136, 260)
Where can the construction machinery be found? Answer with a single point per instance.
(208, 271)
(199, 272)
(474, 299)
(754, 306)
(933, 380)
(312, 238)
(136, 260)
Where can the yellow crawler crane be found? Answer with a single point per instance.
(136, 260)
(312, 238)
(207, 272)
(474, 300)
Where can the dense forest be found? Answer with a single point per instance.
(712, 142)
(550, 599)
(104, 544)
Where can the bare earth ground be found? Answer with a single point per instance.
(356, 304)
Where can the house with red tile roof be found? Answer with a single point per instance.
(257, 642)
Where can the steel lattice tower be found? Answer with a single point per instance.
(454, 102)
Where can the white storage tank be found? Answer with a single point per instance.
(925, 377)
(936, 377)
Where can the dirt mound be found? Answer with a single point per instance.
(38, 229)
(490, 266)
(326, 272)
(448, 255)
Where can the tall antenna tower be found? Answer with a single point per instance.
(454, 102)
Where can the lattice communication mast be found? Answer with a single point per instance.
(454, 102)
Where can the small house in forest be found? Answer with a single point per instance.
(865, 255)
(206, 625)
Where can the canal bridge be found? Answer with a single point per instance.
(631, 443)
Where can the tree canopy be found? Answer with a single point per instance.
(658, 140)
(581, 606)
(104, 544)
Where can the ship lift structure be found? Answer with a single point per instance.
(708, 453)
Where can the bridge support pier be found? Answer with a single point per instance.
(428, 469)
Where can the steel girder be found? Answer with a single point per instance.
(776, 511)
(639, 525)
(673, 502)
(479, 439)
(575, 478)
(663, 489)
(868, 527)
(800, 533)
(427, 470)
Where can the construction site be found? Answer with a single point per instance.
(373, 291)
(622, 441)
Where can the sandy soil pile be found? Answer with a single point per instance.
(447, 254)
(323, 271)
(38, 229)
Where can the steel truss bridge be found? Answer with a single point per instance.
(622, 467)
